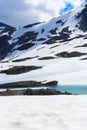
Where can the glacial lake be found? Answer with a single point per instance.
(74, 89)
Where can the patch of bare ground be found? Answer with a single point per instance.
(22, 84)
(20, 69)
(46, 58)
(24, 59)
(70, 54)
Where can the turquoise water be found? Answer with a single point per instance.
(74, 89)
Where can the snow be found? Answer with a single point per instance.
(43, 113)
(68, 19)
(64, 70)
(6, 33)
(21, 31)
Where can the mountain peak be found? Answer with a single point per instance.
(82, 17)
(61, 29)
(5, 25)
(57, 49)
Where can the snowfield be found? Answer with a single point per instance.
(69, 71)
(43, 113)
(58, 46)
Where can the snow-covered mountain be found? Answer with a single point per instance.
(42, 52)
(5, 35)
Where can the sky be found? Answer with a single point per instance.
(22, 12)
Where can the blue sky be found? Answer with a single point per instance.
(68, 7)
(86, 1)
(22, 12)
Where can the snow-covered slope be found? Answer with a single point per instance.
(58, 48)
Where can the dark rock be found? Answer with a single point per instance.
(12, 92)
(66, 29)
(82, 16)
(53, 46)
(24, 46)
(70, 54)
(42, 31)
(33, 92)
(76, 37)
(53, 31)
(84, 45)
(5, 25)
(20, 69)
(41, 48)
(84, 58)
(53, 40)
(21, 84)
(41, 92)
(31, 25)
(51, 83)
(63, 36)
(31, 35)
(46, 58)
(41, 39)
(24, 59)
(60, 21)
(5, 47)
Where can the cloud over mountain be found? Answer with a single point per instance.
(21, 12)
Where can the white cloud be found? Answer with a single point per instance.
(47, 9)
(21, 12)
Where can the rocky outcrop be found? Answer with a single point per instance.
(46, 58)
(24, 59)
(82, 16)
(5, 35)
(51, 83)
(33, 92)
(20, 69)
(23, 84)
(43, 92)
(70, 54)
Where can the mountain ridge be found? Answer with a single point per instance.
(27, 36)
(58, 46)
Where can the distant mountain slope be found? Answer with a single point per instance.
(57, 48)
(5, 36)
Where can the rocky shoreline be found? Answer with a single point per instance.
(30, 92)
